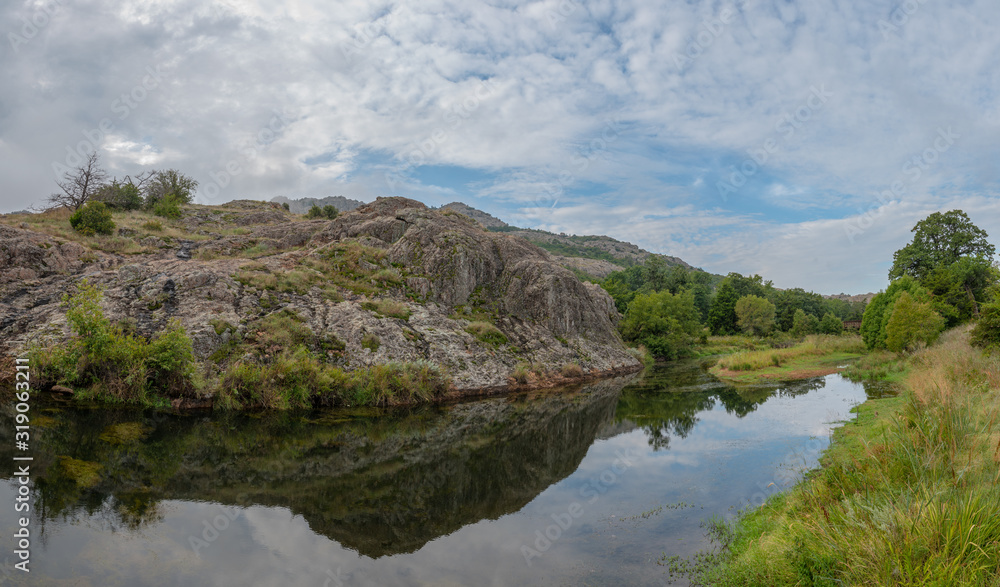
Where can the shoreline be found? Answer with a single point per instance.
(551, 381)
(899, 494)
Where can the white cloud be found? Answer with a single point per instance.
(406, 81)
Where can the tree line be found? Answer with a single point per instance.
(667, 308)
(944, 277)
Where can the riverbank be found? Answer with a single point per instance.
(815, 356)
(906, 495)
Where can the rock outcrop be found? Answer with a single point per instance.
(236, 264)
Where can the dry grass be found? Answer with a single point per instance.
(814, 345)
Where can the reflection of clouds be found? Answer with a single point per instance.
(723, 460)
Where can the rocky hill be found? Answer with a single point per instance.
(390, 281)
(595, 256)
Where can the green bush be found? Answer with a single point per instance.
(296, 379)
(109, 364)
(153, 225)
(486, 333)
(93, 218)
(168, 207)
(120, 196)
(371, 342)
(328, 212)
(986, 333)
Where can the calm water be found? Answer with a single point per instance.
(586, 486)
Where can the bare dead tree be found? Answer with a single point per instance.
(79, 184)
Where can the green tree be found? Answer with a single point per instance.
(120, 195)
(911, 323)
(803, 324)
(755, 315)
(941, 239)
(93, 218)
(879, 309)
(665, 323)
(170, 183)
(831, 324)
(722, 312)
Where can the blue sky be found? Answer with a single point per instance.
(798, 140)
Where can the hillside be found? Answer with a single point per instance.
(593, 256)
(389, 282)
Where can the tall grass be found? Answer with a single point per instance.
(814, 345)
(909, 495)
(295, 379)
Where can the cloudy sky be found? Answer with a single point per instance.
(799, 140)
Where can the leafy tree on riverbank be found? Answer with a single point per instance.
(911, 323)
(755, 315)
(879, 310)
(665, 323)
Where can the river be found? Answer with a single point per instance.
(589, 485)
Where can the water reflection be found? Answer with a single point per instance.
(393, 488)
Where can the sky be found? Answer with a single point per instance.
(798, 140)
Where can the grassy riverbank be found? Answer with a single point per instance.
(907, 493)
(816, 355)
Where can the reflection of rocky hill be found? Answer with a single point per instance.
(378, 483)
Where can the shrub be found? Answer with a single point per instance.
(371, 342)
(390, 308)
(486, 333)
(328, 212)
(986, 333)
(114, 365)
(285, 206)
(521, 373)
(120, 196)
(153, 225)
(571, 370)
(168, 207)
(642, 354)
(93, 218)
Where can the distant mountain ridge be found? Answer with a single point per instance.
(302, 205)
